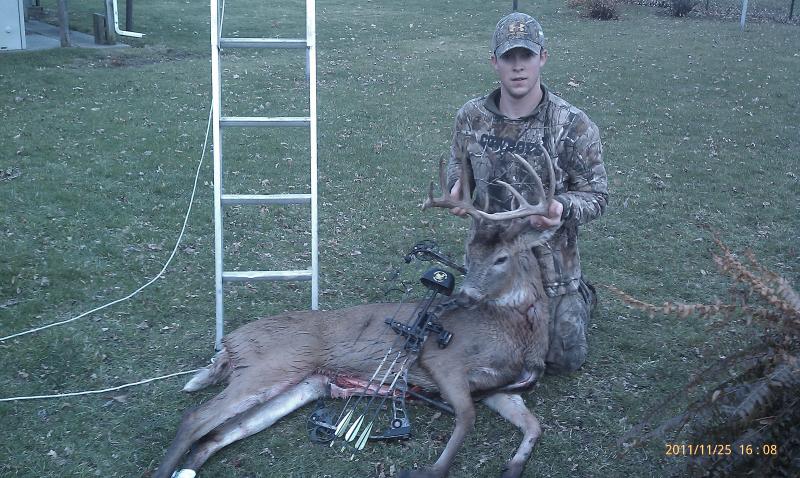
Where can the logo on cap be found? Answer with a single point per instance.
(439, 276)
(517, 29)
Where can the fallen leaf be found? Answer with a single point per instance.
(267, 451)
(9, 302)
(59, 461)
(9, 174)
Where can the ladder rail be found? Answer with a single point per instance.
(311, 56)
(216, 103)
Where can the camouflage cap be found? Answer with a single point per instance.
(517, 30)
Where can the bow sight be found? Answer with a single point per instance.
(428, 250)
(355, 424)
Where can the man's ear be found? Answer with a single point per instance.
(542, 57)
(493, 61)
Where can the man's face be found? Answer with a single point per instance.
(518, 70)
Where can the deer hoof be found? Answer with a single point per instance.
(512, 471)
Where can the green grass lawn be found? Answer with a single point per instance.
(700, 126)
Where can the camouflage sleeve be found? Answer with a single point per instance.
(586, 196)
(458, 149)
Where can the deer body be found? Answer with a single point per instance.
(275, 365)
(492, 349)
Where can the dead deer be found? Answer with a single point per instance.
(278, 364)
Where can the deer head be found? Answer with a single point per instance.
(501, 266)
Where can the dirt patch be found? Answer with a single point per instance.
(137, 57)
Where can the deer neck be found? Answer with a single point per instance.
(520, 298)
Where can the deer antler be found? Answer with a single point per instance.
(449, 201)
(525, 209)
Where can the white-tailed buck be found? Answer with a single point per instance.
(499, 325)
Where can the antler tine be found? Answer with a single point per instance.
(551, 187)
(430, 201)
(537, 181)
(447, 200)
(466, 188)
(525, 208)
(442, 175)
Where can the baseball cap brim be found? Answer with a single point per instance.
(517, 43)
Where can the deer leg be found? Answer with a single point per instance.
(454, 388)
(256, 419)
(237, 398)
(512, 408)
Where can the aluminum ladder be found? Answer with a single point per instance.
(219, 122)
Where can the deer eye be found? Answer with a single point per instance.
(500, 260)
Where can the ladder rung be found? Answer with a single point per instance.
(241, 276)
(264, 121)
(262, 43)
(229, 199)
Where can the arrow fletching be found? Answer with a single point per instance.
(343, 423)
(362, 440)
(354, 428)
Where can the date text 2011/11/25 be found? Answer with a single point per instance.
(709, 449)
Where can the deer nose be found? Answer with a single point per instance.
(470, 293)
(464, 301)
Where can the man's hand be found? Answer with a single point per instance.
(455, 191)
(553, 218)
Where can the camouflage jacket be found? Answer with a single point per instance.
(483, 139)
